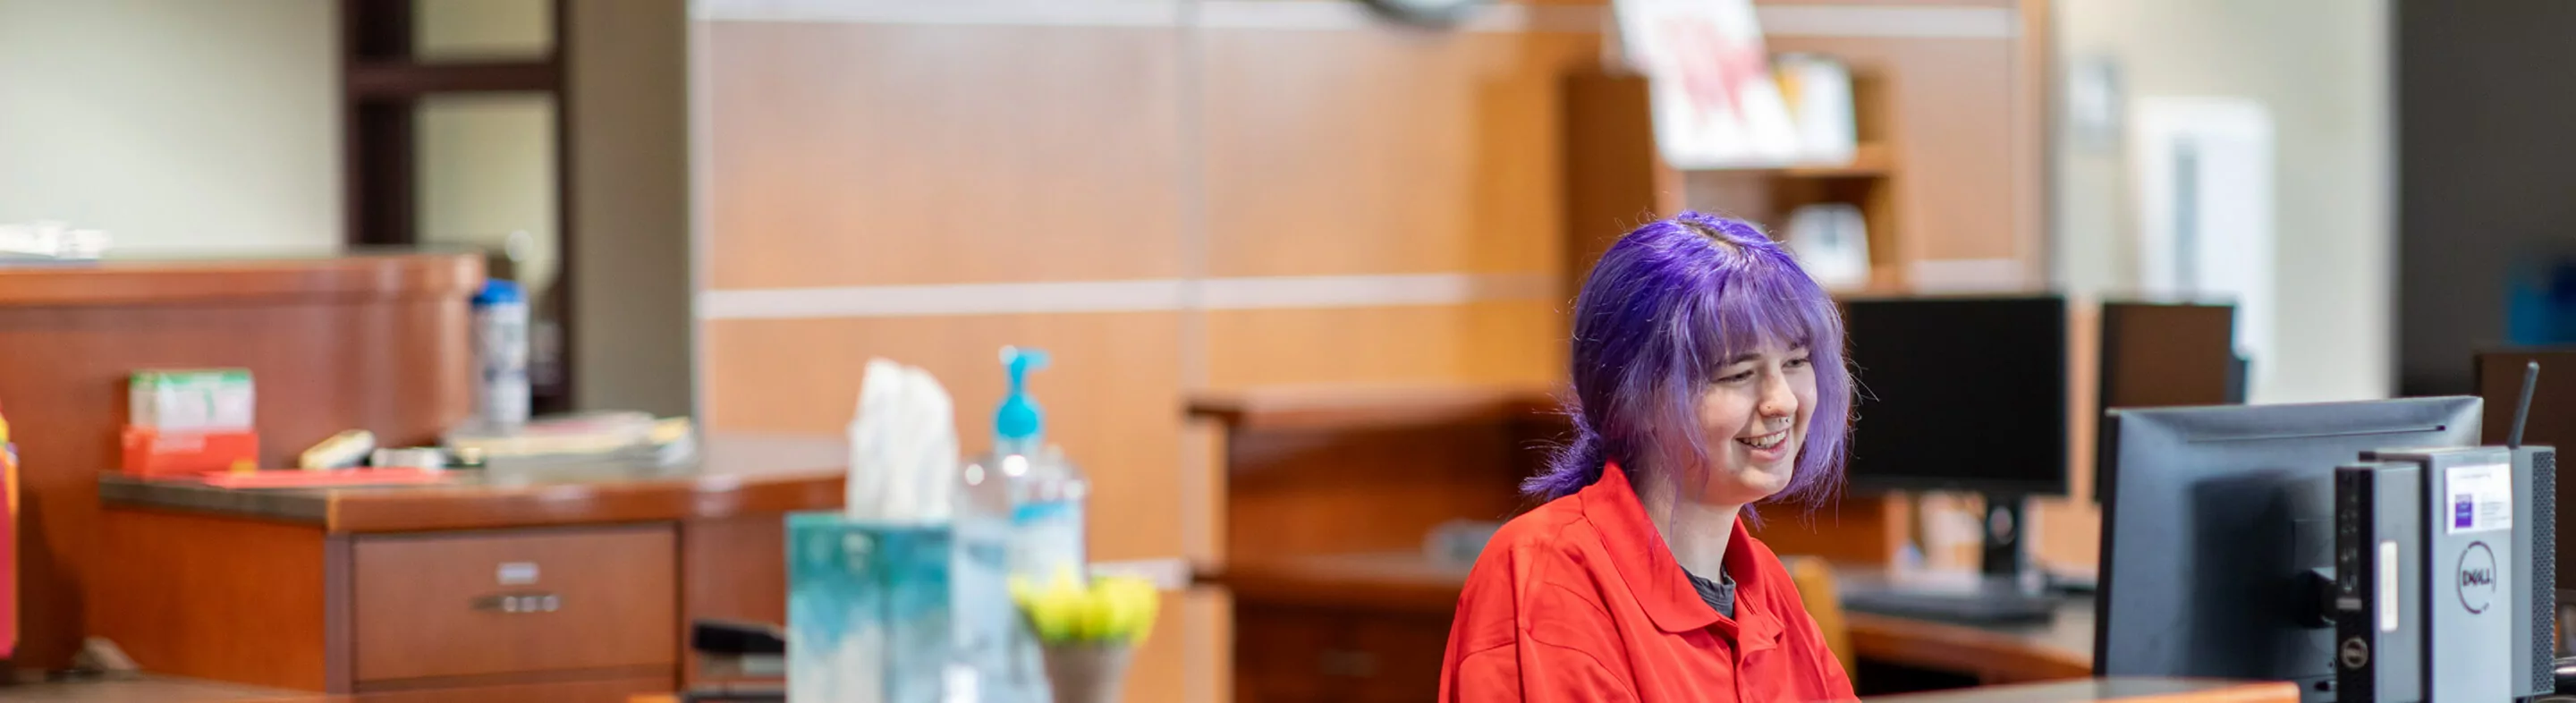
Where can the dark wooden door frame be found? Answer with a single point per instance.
(382, 82)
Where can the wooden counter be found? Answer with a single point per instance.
(735, 474)
(562, 584)
(378, 342)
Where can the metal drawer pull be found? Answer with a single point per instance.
(518, 603)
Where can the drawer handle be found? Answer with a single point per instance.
(514, 603)
(1348, 663)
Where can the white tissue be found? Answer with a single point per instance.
(903, 447)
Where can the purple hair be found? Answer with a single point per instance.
(1669, 304)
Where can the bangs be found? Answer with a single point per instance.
(1758, 302)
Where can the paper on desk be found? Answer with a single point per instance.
(903, 446)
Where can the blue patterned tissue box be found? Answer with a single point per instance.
(868, 612)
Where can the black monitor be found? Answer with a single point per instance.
(2215, 517)
(1962, 394)
(1959, 393)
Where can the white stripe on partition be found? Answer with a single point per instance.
(1167, 574)
(1859, 20)
(957, 299)
(1370, 291)
(1146, 295)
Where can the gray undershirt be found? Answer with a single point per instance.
(1720, 593)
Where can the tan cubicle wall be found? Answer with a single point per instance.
(1178, 195)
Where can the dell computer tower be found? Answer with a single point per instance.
(2379, 557)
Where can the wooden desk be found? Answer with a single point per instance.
(375, 342)
(558, 585)
(1301, 617)
(2132, 690)
(2060, 648)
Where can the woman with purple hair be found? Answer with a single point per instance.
(1708, 376)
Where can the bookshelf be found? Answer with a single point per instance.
(1616, 179)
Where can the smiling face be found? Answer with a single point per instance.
(1752, 421)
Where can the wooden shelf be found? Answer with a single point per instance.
(1868, 161)
(1614, 172)
(1331, 408)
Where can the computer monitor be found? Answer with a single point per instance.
(2162, 355)
(1962, 394)
(1959, 393)
(2213, 517)
(2159, 355)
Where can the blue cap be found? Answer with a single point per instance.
(497, 291)
(1019, 417)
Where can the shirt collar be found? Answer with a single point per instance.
(1657, 581)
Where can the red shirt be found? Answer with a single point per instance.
(1580, 600)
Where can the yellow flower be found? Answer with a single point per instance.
(1108, 610)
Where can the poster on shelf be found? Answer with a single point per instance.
(1714, 99)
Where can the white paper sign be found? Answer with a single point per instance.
(1710, 87)
(2478, 498)
(2204, 177)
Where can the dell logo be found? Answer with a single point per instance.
(2477, 576)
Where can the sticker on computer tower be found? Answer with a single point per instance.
(2481, 498)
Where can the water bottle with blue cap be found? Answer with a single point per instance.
(501, 391)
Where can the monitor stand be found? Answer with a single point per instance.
(2003, 555)
(2001, 593)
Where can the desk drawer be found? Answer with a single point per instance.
(512, 602)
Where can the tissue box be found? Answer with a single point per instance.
(150, 452)
(868, 612)
(193, 400)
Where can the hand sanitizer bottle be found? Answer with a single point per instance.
(1026, 499)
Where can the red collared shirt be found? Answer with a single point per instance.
(1580, 600)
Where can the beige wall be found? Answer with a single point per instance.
(2321, 66)
(175, 125)
(490, 29)
(630, 177)
(487, 169)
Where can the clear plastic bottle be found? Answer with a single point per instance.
(501, 390)
(1022, 518)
